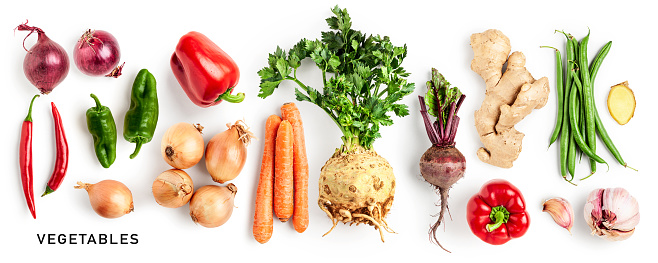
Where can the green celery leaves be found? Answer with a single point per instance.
(362, 77)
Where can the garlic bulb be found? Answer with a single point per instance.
(612, 213)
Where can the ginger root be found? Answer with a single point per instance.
(510, 97)
(621, 103)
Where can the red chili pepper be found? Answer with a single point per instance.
(62, 161)
(205, 72)
(25, 160)
(497, 213)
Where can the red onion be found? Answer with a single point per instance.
(46, 63)
(97, 53)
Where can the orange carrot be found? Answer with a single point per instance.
(283, 172)
(290, 113)
(263, 218)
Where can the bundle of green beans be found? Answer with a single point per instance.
(578, 121)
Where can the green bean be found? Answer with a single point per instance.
(560, 96)
(581, 116)
(564, 147)
(571, 157)
(608, 142)
(576, 130)
(594, 68)
(581, 120)
(566, 144)
(589, 99)
(572, 45)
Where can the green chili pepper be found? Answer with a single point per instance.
(104, 131)
(142, 117)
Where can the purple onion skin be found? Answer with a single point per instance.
(46, 64)
(442, 166)
(97, 54)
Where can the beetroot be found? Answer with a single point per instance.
(442, 165)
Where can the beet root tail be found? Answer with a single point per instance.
(443, 192)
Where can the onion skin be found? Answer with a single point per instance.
(182, 145)
(97, 53)
(46, 63)
(226, 153)
(109, 198)
(173, 188)
(212, 205)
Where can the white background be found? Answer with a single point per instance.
(437, 34)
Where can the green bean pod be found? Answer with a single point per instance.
(572, 45)
(560, 98)
(569, 141)
(571, 157)
(608, 142)
(588, 98)
(594, 68)
(567, 145)
(580, 141)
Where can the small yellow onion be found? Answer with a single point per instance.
(212, 205)
(173, 188)
(226, 152)
(109, 198)
(182, 145)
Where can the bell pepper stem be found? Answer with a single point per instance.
(499, 215)
(137, 148)
(228, 97)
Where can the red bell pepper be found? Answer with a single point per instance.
(497, 213)
(205, 72)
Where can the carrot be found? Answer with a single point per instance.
(263, 218)
(283, 172)
(290, 113)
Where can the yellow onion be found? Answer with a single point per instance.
(226, 152)
(182, 145)
(173, 188)
(109, 198)
(212, 205)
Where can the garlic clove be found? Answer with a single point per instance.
(612, 213)
(561, 211)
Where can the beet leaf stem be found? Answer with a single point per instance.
(431, 133)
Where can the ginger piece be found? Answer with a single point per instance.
(621, 103)
(510, 97)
